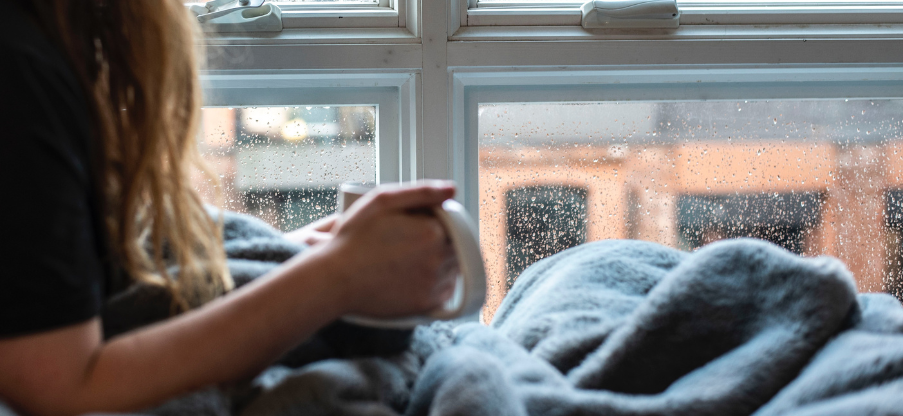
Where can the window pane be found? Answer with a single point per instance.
(283, 164)
(816, 177)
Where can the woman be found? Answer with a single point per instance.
(100, 107)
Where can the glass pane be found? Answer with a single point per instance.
(816, 177)
(283, 164)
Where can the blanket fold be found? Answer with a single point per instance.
(738, 327)
(633, 328)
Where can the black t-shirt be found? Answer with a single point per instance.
(52, 271)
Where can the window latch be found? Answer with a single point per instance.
(238, 16)
(610, 14)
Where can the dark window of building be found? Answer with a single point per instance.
(542, 221)
(292, 209)
(784, 219)
(893, 280)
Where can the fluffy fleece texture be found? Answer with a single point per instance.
(633, 328)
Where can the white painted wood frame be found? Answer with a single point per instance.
(698, 12)
(427, 67)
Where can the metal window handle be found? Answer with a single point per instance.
(612, 14)
(213, 7)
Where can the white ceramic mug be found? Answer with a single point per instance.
(470, 288)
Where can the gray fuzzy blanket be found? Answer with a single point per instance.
(632, 328)
(738, 327)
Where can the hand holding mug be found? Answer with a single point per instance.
(465, 262)
(392, 259)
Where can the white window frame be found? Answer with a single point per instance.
(805, 12)
(694, 13)
(429, 72)
(387, 14)
(429, 78)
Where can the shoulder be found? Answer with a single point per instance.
(29, 56)
(42, 106)
(21, 37)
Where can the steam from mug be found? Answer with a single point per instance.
(470, 287)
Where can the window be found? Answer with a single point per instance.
(815, 176)
(792, 220)
(522, 114)
(304, 14)
(299, 14)
(284, 164)
(706, 12)
(541, 221)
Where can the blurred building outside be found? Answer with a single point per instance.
(816, 177)
(283, 164)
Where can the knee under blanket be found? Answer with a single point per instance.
(738, 327)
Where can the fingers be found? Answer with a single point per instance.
(407, 198)
(408, 258)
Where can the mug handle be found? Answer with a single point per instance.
(470, 288)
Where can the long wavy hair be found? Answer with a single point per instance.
(137, 64)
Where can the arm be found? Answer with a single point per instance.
(382, 261)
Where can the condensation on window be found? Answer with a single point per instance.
(283, 164)
(815, 177)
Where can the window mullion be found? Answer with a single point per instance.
(434, 97)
